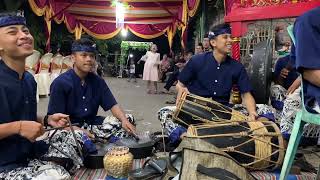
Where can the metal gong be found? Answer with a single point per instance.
(260, 71)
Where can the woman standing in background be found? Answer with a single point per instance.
(150, 71)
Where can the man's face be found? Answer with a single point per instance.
(84, 61)
(222, 43)
(16, 41)
(206, 43)
(199, 50)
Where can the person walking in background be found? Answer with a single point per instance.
(150, 71)
(132, 71)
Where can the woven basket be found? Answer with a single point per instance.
(118, 162)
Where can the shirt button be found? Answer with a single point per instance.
(27, 102)
(83, 97)
(85, 109)
(215, 81)
(218, 67)
(214, 93)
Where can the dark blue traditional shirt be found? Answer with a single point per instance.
(292, 75)
(18, 102)
(307, 34)
(81, 101)
(205, 77)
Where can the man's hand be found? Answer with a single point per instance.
(126, 125)
(58, 120)
(253, 116)
(30, 129)
(183, 135)
(295, 85)
(284, 73)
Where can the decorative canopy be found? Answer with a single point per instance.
(144, 18)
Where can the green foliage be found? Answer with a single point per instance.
(102, 46)
(105, 46)
(126, 45)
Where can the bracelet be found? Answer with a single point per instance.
(45, 121)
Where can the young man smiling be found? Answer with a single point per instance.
(212, 75)
(19, 124)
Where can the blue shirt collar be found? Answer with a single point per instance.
(10, 71)
(226, 61)
(77, 78)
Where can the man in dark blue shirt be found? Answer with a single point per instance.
(79, 92)
(307, 34)
(19, 124)
(284, 73)
(286, 81)
(213, 74)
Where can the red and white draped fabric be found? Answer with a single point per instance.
(144, 18)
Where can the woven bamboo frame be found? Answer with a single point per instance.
(258, 133)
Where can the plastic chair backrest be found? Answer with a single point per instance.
(33, 59)
(46, 58)
(57, 59)
(293, 38)
(290, 32)
(67, 60)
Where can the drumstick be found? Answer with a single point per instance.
(75, 138)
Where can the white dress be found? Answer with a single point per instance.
(150, 71)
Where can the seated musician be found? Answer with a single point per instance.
(19, 124)
(286, 99)
(307, 52)
(79, 93)
(212, 74)
(307, 33)
(286, 81)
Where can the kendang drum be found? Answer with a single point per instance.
(193, 109)
(257, 145)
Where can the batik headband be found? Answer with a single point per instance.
(83, 48)
(213, 34)
(12, 20)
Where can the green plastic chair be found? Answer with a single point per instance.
(302, 117)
